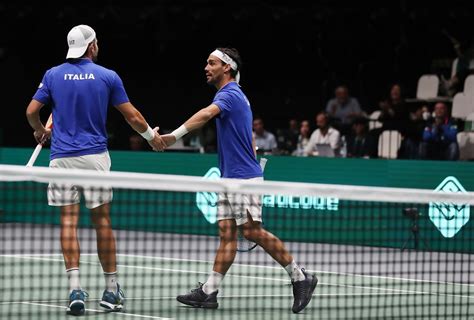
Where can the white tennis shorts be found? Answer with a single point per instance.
(61, 195)
(236, 206)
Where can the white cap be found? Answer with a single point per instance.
(78, 39)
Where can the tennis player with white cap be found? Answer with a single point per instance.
(80, 92)
(237, 159)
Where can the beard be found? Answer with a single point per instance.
(214, 79)
(211, 80)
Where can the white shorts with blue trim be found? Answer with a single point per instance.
(236, 206)
(67, 194)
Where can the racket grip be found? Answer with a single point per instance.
(34, 155)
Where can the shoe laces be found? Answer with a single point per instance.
(300, 287)
(80, 291)
(200, 284)
(120, 293)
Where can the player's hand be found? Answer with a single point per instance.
(169, 139)
(43, 135)
(157, 142)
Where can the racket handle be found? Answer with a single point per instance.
(34, 155)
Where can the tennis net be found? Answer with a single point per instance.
(378, 253)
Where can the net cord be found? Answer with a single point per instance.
(182, 183)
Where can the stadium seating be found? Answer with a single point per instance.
(463, 105)
(373, 120)
(466, 139)
(469, 85)
(427, 87)
(389, 143)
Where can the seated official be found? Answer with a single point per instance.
(325, 134)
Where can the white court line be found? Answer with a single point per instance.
(253, 266)
(94, 310)
(152, 268)
(223, 297)
(40, 258)
(15, 255)
(291, 296)
(265, 278)
(317, 271)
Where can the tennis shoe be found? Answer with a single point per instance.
(303, 291)
(199, 299)
(77, 306)
(113, 301)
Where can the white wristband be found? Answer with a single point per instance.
(149, 134)
(180, 132)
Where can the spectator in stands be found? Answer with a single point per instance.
(465, 54)
(343, 109)
(394, 112)
(303, 138)
(324, 134)
(203, 139)
(359, 143)
(440, 138)
(413, 133)
(136, 143)
(288, 138)
(208, 136)
(265, 141)
(194, 141)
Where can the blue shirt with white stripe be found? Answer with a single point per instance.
(234, 134)
(80, 92)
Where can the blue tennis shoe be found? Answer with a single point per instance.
(113, 301)
(77, 305)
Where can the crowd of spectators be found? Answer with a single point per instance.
(295, 57)
(344, 128)
(427, 129)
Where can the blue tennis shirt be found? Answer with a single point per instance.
(234, 134)
(80, 93)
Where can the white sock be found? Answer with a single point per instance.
(111, 281)
(294, 271)
(73, 278)
(213, 282)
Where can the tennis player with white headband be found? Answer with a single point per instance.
(237, 159)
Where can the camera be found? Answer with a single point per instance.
(413, 214)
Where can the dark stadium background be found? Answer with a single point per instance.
(294, 53)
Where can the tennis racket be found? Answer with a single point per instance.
(244, 245)
(35, 154)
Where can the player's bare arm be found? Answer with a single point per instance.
(41, 133)
(198, 120)
(136, 120)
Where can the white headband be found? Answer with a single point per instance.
(226, 59)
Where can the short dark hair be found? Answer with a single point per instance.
(235, 55)
(323, 113)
